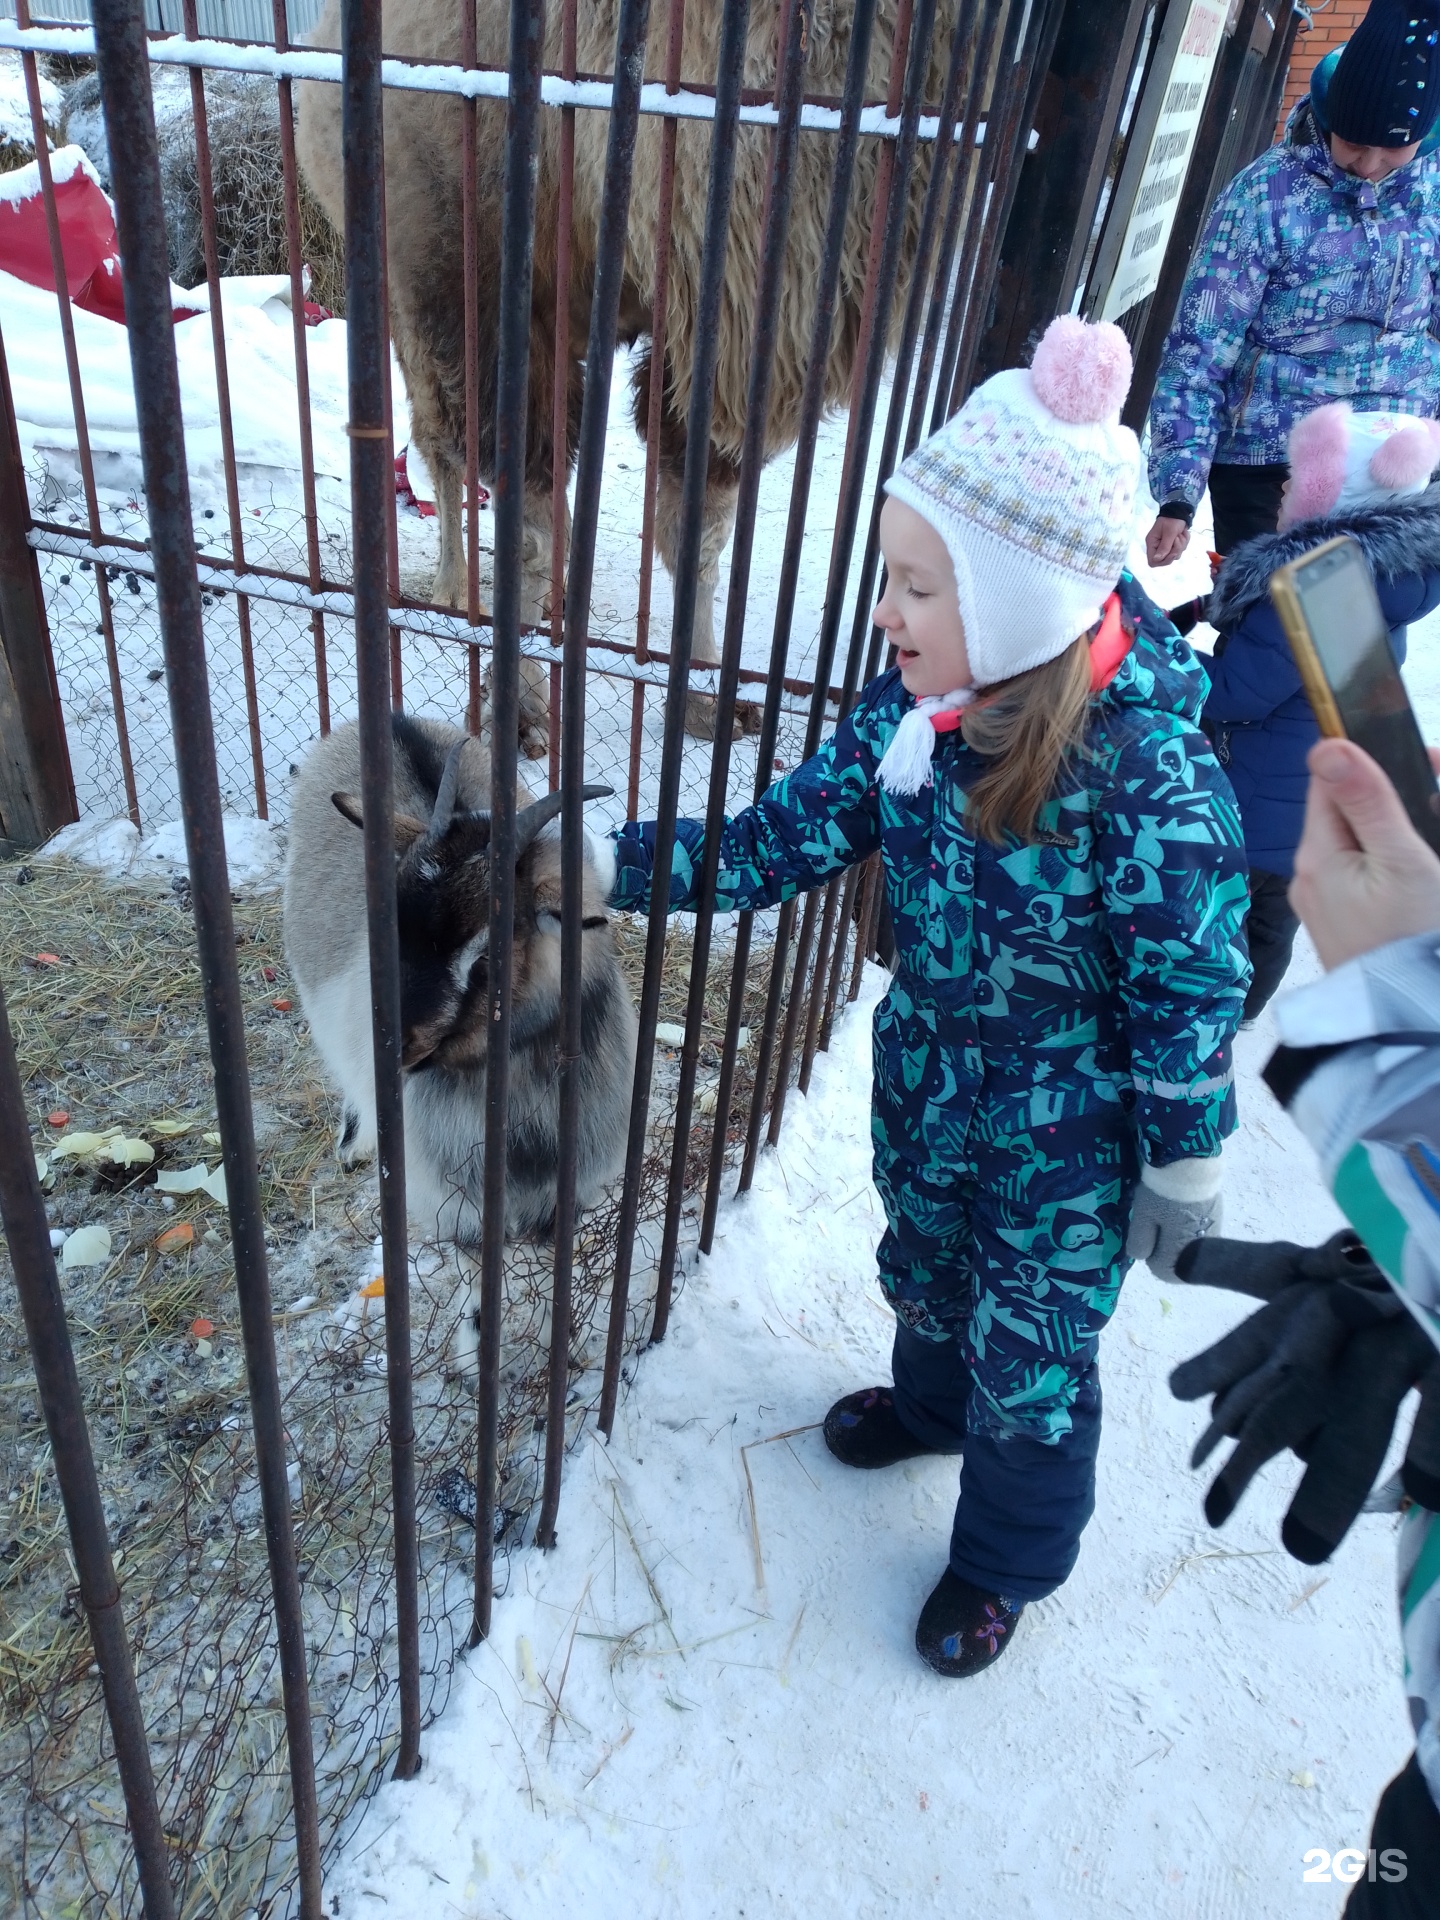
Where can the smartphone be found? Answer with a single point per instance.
(1331, 614)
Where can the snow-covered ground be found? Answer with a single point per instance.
(706, 1701)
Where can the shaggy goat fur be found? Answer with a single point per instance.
(423, 189)
(443, 883)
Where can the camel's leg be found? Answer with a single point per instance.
(535, 612)
(717, 522)
(452, 577)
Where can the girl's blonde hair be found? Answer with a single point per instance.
(1029, 727)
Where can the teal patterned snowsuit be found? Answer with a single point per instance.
(1059, 1010)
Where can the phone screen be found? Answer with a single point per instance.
(1352, 642)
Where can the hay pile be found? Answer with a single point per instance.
(243, 119)
(110, 1031)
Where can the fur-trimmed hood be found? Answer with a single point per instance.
(1396, 539)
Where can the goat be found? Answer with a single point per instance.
(442, 838)
(426, 264)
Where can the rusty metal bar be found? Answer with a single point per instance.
(470, 255)
(290, 178)
(674, 44)
(870, 365)
(964, 189)
(560, 380)
(1027, 79)
(22, 1209)
(729, 75)
(862, 402)
(205, 183)
(517, 261)
(909, 334)
(77, 403)
(589, 478)
(130, 130)
(372, 495)
(812, 404)
(779, 190)
(1001, 84)
(848, 922)
(392, 526)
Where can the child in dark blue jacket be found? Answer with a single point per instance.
(1365, 474)
(1066, 883)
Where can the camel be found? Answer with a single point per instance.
(425, 265)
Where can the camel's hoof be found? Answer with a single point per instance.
(700, 713)
(749, 716)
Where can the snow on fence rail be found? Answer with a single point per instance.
(283, 1667)
(239, 55)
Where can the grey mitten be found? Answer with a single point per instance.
(1173, 1206)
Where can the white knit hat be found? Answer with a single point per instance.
(1032, 487)
(1341, 460)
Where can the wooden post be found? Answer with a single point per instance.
(37, 791)
(1048, 231)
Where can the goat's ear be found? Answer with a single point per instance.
(407, 828)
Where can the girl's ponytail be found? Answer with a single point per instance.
(1029, 727)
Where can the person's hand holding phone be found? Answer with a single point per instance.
(1363, 875)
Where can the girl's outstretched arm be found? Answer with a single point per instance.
(813, 824)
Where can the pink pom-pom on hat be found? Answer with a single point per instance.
(1082, 372)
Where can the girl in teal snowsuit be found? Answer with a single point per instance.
(1067, 883)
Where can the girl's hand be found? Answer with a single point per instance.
(1363, 875)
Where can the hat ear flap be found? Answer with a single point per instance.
(1318, 445)
(1405, 458)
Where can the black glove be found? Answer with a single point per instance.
(1321, 1369)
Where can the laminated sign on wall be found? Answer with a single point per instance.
(1176, 95)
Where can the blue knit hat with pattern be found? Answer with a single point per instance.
(1385, 91)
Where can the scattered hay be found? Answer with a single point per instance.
(110, 1031)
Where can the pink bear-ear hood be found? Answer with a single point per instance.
(1318, 447)
(1407, 458)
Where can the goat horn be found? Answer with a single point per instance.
(530, 821)
(449, 782)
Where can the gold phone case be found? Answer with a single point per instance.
(1297, 632)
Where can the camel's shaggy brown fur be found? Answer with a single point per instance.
(423, 217)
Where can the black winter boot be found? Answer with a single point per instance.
(864, 1430)
(961, 1630)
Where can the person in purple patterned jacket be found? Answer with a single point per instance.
(1317, 279)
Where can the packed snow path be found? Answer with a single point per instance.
(651, 1730)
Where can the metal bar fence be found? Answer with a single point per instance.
(373, 496)
(130, 130)
(945, 145)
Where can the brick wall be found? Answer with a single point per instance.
(1331, 27)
